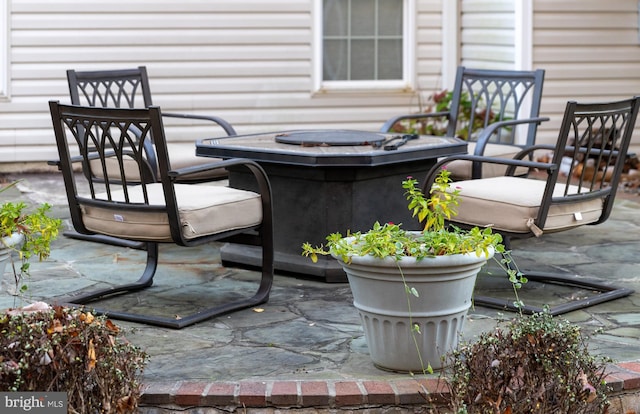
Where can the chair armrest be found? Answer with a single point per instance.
(570, 149)
(528, 151)
(512, 163)
(486, 133)
(390, 122)
(256, 169)
(221, 122)
(75, 158)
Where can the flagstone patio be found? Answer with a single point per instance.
(304, 349)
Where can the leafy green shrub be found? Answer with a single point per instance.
(538, 364)
(437, 125)
(67, 350)
(37, 227)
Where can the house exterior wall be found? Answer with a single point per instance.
(488, 34)
(590, 50)
(248, 61)
(251, 61)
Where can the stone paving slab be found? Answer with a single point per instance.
(305, 347)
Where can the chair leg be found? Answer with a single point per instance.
(101, 238)
(146, 280)
(605, 293)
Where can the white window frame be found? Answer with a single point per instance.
(408, 52)
(5, 35)
(523, 35)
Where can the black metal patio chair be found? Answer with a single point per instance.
(129, 88)
(593, 141)
(487, 107)
(154, 209)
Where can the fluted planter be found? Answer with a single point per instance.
(445, 286)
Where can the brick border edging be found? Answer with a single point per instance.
(296, 393)
(339, 393)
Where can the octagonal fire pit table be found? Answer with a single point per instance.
(327, 181)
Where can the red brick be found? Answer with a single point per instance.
(253, 394)
(379, 392)
(438, 391)
(410, 392)
(348, 394)
(314, 393)
(630, 380)
(630, 366)
(158, 392)
(284, 393)
(190, 393)
(221, 393)
(614, 383)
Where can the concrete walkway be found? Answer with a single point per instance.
(305, 348)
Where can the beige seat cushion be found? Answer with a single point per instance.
(511, 204)
(461, 169)
(204, 210)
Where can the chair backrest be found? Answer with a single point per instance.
(126, 88)
(481, 97)
(106, 137)
(592, 144)
(122, 88)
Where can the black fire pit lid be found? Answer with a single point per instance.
(331, 138)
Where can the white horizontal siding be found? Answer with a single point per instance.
(248, 61)
(590, 51)
(487, 34)
(428, 54)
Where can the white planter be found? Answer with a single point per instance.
(6, 244)
(445, 287)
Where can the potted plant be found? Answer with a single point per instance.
(413, 289)
(25, 233)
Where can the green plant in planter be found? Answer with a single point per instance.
(37, 227)
(436, 239)
(426, 261)
(536, 364)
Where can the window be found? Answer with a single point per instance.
(364, 44)
(4, 49)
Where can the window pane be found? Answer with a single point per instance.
(390, 59)
(362, 39)
(335, 19)
(363, 18)
(335, 60)
(362, 56)
(390, 17)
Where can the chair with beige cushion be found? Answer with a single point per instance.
(501, 109)
(155, 209)
(593, 142)
(129, 88)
